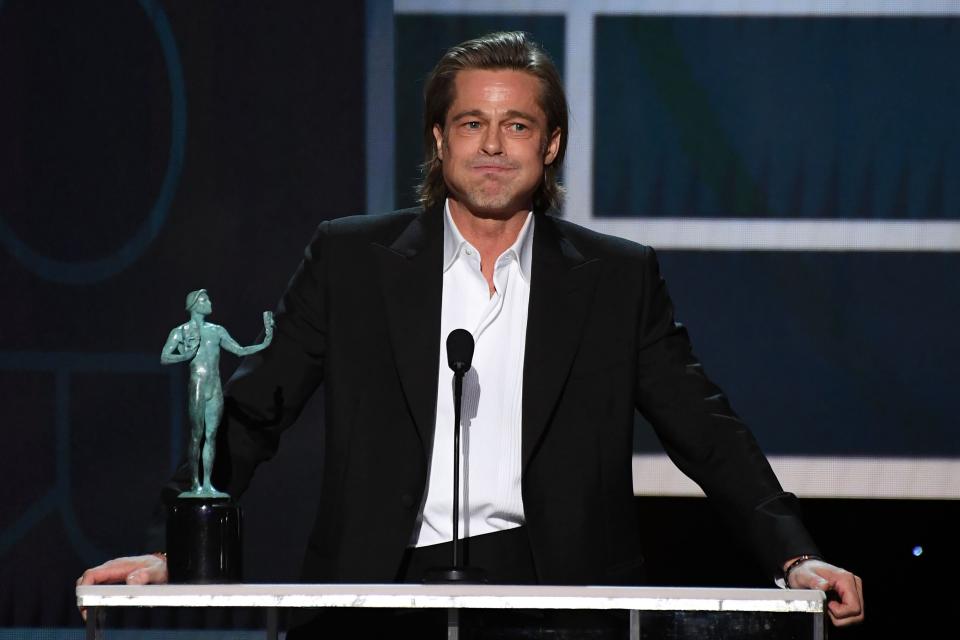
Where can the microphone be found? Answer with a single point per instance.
(459, 351)
(459, 357)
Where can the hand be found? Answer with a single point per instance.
(135, 570)
(268, 323)
(191, 341)
(847, 607)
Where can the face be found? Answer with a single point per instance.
(203, 305)
(494, 144)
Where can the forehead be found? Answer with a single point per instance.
(496, 90)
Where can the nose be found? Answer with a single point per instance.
(492, 144)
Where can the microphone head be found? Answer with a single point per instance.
(460, 350)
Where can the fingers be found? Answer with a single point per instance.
(83, 610)
(140, 576)
(844, 589)
(135, 570)
(154, 573)
(111, 572)
(847, 609)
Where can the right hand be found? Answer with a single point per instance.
(190, 345)
(190, 339)
(134, 570)
(268, 324)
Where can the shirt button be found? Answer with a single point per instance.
(469, 252)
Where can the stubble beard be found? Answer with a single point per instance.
(493, 197)
(500, 202)
(495, 203)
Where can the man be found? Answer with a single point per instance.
(574, 332)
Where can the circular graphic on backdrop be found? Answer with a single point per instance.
(96, 270)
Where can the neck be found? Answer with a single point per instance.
(490, 235)
(196, 318)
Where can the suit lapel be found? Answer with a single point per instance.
(411, 276)
(563, 283)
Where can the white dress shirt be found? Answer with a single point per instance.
(490, 463)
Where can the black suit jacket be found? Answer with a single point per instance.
(361, 316)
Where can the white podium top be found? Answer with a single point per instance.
(398, 596)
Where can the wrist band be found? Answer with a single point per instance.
(796, 563)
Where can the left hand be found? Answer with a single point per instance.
(847, 609)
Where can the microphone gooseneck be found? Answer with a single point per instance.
(459, 357)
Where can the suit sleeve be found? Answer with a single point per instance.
(270, 388)
(705, 438)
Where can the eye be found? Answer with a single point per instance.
(472, 124)
(518, 127)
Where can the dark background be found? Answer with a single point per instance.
(150, 148)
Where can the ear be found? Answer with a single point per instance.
(438, 137)
(553, 147)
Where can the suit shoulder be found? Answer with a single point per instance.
(349, 233)
(371, 226)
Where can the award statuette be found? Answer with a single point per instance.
(203, 524)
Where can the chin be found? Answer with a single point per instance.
(500, 206)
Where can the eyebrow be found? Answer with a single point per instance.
(512, 113)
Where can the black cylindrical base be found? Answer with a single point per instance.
(203, 541)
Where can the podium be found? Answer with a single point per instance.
(701, 613)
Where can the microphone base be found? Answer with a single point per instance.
(449, 575)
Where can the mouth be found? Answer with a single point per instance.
(496, 168)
